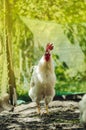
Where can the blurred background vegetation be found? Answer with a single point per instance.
(26, 26)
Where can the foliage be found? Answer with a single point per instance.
(22, 93)
(71, 87)
(65, 81)
(62, 11)
(76, 33)
(70, 14)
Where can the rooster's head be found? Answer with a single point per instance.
(49, 47)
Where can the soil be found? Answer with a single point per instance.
(63, 115)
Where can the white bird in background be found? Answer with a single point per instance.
(82, 107)
(43, 80)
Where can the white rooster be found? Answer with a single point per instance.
(43, 80)
(82, 107)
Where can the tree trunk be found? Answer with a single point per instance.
(11, 77)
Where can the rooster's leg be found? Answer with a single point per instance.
(38, 106)
(47, 109)
(46, 103)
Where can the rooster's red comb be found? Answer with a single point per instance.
(49, 46)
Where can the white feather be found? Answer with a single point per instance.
(43, 81)
(82, 107)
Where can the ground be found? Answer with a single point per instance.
(63, 115)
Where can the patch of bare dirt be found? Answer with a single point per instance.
(64, 115)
